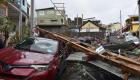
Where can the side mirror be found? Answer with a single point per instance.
(28, 41)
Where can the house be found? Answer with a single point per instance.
(133, 23)
(51, 19)
(12, 8)
(89, 26)
(114, 27)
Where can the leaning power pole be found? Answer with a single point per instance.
(121, 22)
(20, 22)
(32, 17)
(139, 17)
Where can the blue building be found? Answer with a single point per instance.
(14, 8)
(23, 4)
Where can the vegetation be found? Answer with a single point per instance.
(6, 26)
(16, 38)
(1, 1)
(25, 32)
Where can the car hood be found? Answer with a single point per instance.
(13, 56)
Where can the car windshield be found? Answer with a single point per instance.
(44, 45)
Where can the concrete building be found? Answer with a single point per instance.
(114, 27)
(133, 23)
(51, 19)
(12, 8)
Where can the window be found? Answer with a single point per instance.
(41, 13)
(58, 13)
(62, 21)
(54, 20)
(41, 21)
(12, 1)
(28, 10)
(50, 12)
(23, 2)
(135, 19)
(2, 12)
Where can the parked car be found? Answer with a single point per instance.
(133, 38)
(33, 59)
(128, 36)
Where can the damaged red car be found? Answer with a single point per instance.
(33, 59)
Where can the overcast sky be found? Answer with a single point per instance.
(108, 11)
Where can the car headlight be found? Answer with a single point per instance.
(40, 67)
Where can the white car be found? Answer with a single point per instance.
(133, 38)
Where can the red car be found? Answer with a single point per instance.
(33, 59)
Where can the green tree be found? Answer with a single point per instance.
(6, 26)
(25, 32)
(1, 1)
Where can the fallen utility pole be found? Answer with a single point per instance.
(126, 64)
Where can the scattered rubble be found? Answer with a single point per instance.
(75, 71)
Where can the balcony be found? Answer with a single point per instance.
(14, 2)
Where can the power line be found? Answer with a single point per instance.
(62, 14)
(57, 9)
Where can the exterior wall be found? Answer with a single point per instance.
(24, 4)
(54, 29)
(135, 27)
(115, 27)
(90, 27)
(49, 17)
(133, 23)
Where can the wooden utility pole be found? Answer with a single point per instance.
(32, 17)
(121, 21)
(20, 22)
(139, 17)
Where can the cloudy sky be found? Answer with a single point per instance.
(108, 11)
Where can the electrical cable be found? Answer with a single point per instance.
(57, 9)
